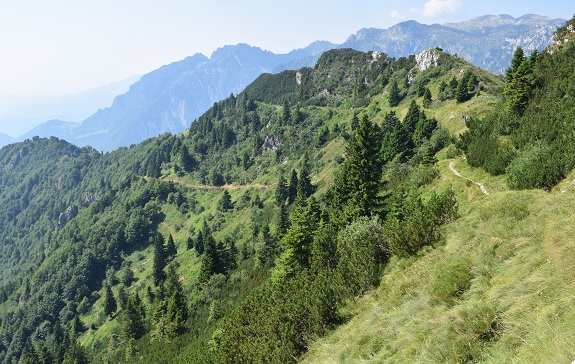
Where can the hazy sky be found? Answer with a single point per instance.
(67, 46)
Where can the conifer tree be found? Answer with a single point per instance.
(304, 186)
(292, 188)
(299, 237)
(282, 191)
(286, 115)
(411, 118)
(132, 318)
(394, 95)
(426, 97)
(171, 250)
(210, 263)
(359, 183)
(160, 259)
(110, 305)
(225, 203)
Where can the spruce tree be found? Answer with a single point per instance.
(282, 191)
(292, 187)
(426, 98)
(109, 302)
(394, 96)
(225, 203)
(359, 186)
(171, 250)
(160, 259)
(412, 118)
(304, 186)
(210, 262)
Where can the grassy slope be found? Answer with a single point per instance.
(518, 305)
(234, 223)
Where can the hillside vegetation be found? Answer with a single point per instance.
(313, 216)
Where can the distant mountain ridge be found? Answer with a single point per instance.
(170, 98)
(487, 41)
(5, 139)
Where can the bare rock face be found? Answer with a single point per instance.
(89, 198)
(270, 143)
(427, 59)
(67, 215)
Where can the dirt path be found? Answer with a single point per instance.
(209, 187)
(455, 172)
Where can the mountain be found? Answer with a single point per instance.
(487, 41)
(22, 113)
(171, 98)
(5, 139)
(77, 224)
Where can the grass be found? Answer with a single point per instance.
(518, 305)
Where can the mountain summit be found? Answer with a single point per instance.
(170, 98)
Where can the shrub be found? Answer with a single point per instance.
(452, 280)
(536, 166)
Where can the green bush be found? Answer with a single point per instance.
(362, 249)
(536, 166)
(452, 281)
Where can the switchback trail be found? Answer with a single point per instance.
(455, 172)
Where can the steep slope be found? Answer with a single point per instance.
(496, 291)
(79, 224)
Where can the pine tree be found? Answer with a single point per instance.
(109, 302)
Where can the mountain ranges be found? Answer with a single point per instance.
(170, 98)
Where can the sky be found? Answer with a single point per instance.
(67, 46)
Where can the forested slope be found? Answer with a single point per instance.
(251, 235)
